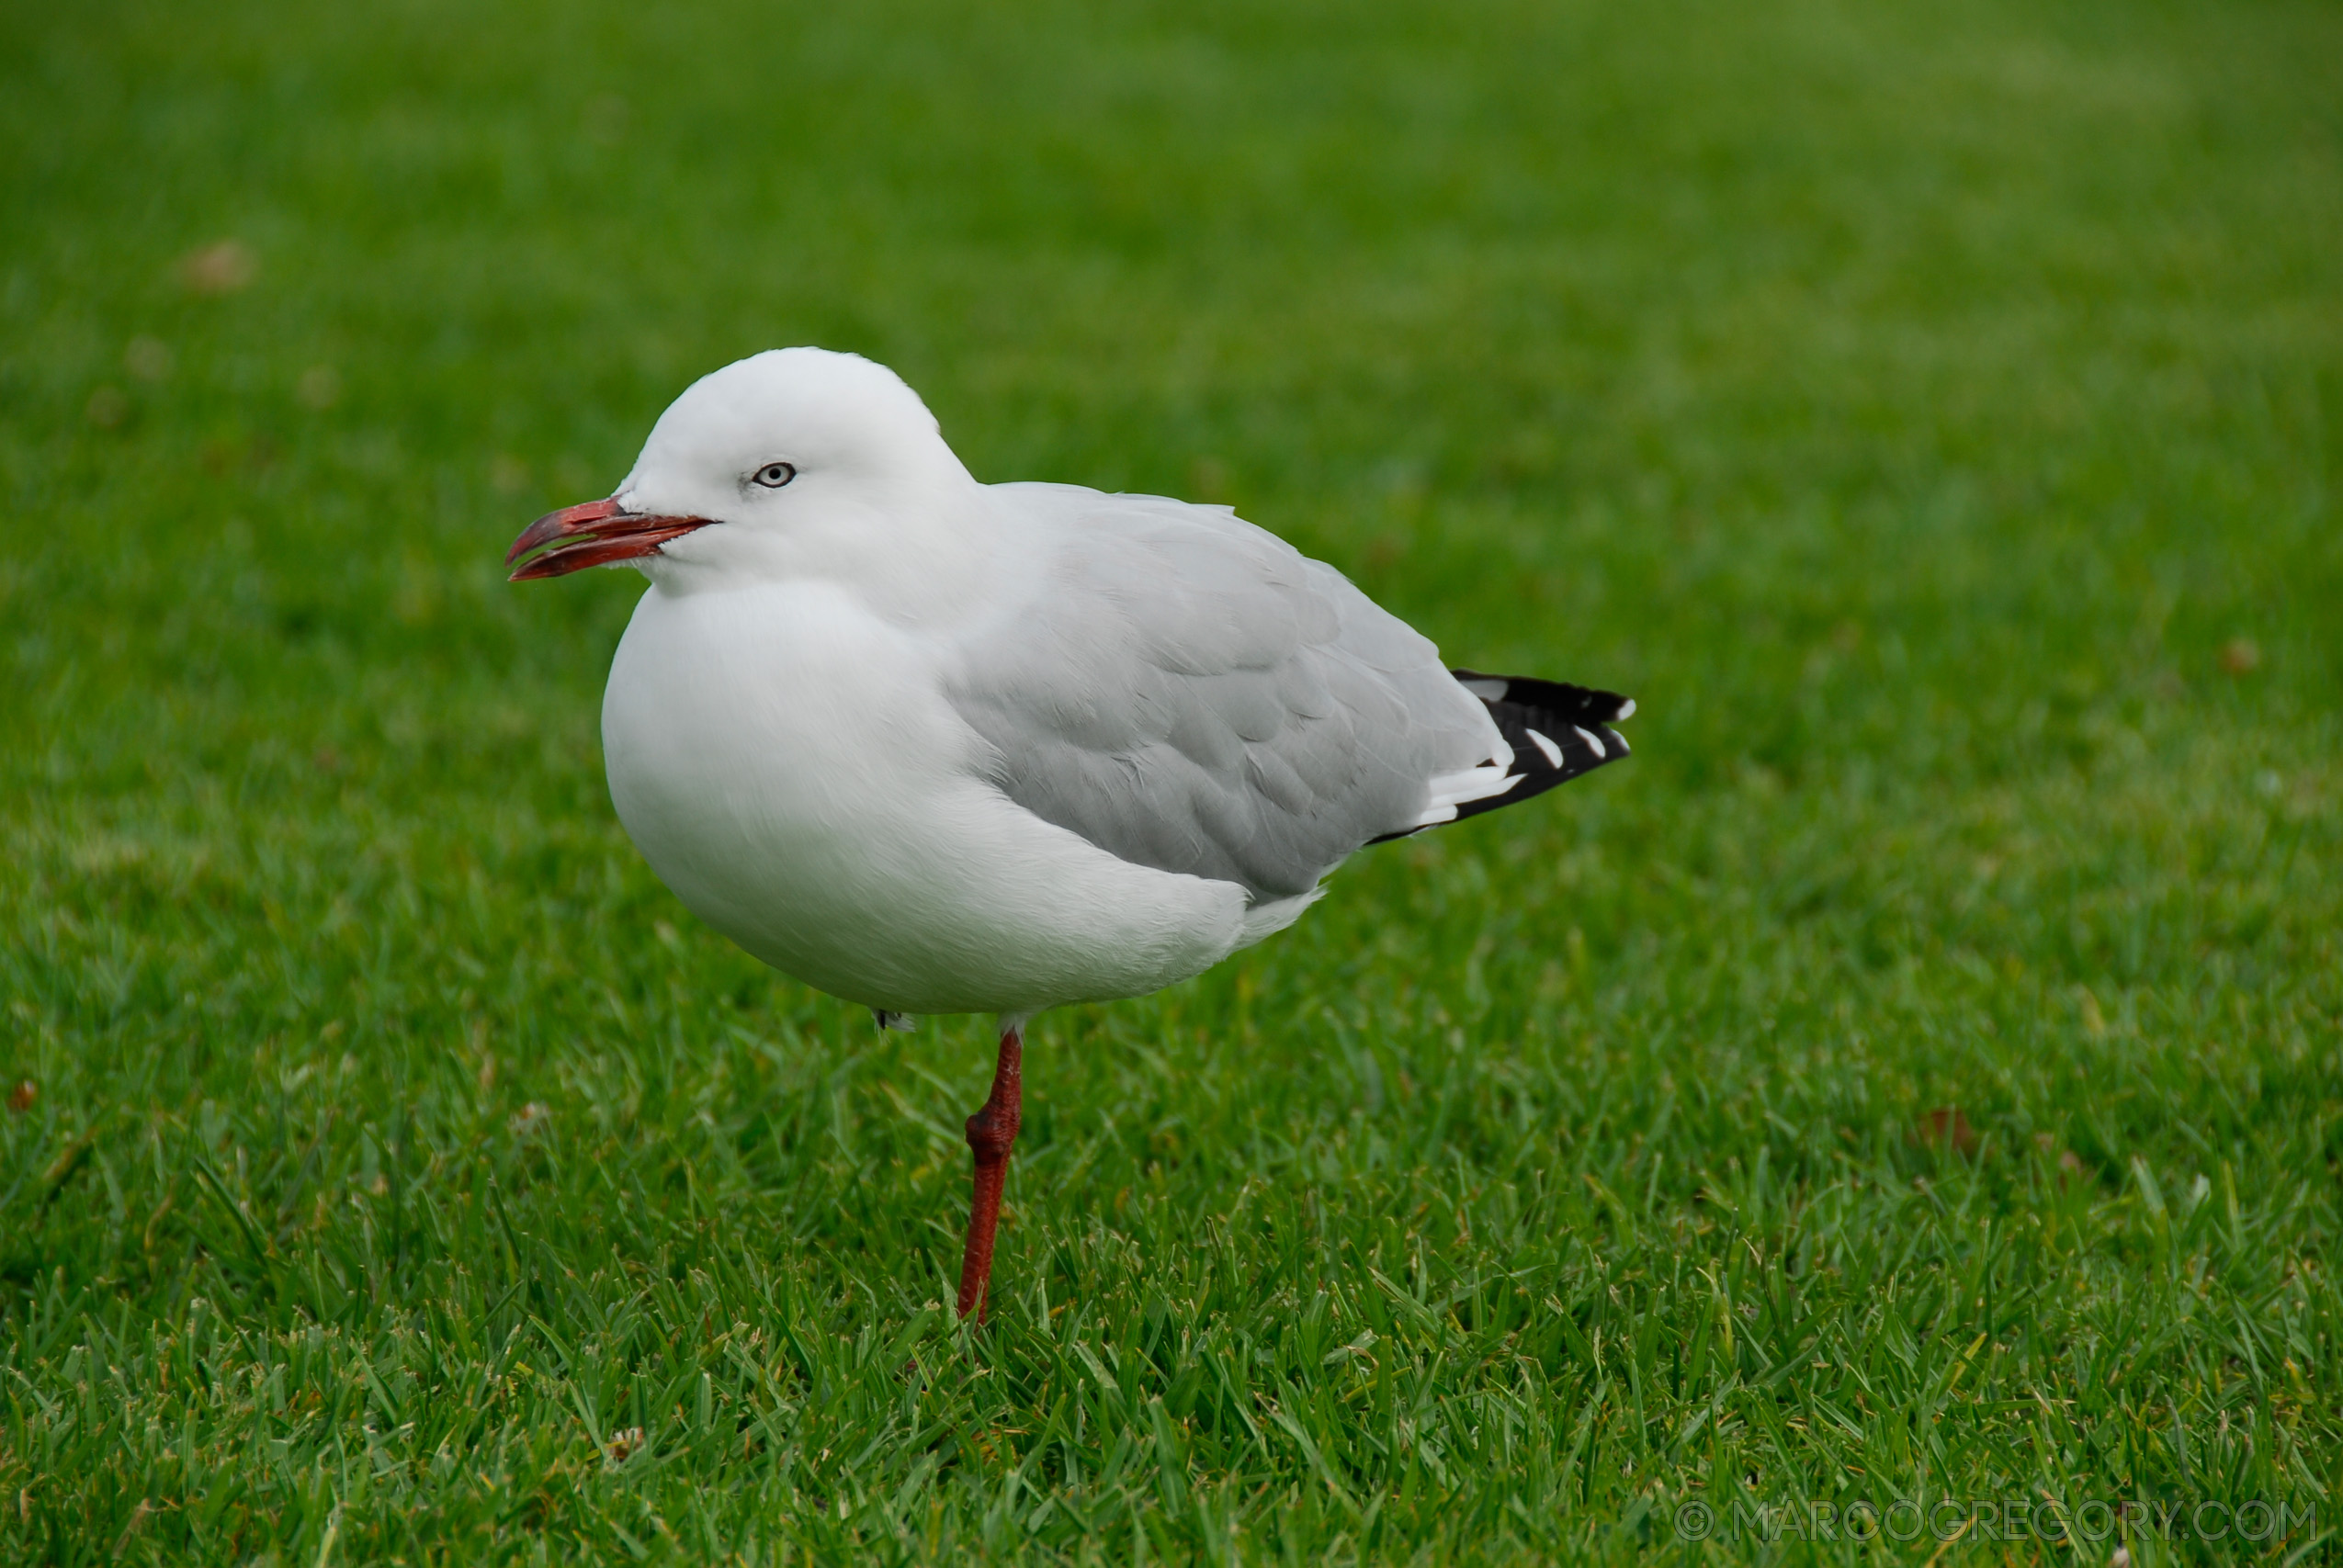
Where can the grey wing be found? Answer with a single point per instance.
(1191, 693)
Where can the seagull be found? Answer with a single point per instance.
(937, 745)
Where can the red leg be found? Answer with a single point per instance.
(992, 1132)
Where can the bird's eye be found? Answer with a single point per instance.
(773, 476)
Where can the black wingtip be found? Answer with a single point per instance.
(1558, 731)
(1557, 699)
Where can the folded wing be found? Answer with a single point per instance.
(1191, 693)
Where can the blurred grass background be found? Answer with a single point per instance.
(1916, 1075)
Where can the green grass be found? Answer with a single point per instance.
(1925, 410)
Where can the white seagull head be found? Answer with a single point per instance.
(760, 468)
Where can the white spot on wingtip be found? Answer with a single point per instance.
(1592, 740)
(1553, 752)
(1449, 791)
(1627, 710)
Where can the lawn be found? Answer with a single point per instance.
(1905, 1100)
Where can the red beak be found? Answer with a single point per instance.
(596, 533)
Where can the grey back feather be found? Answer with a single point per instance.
(1191, 693)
